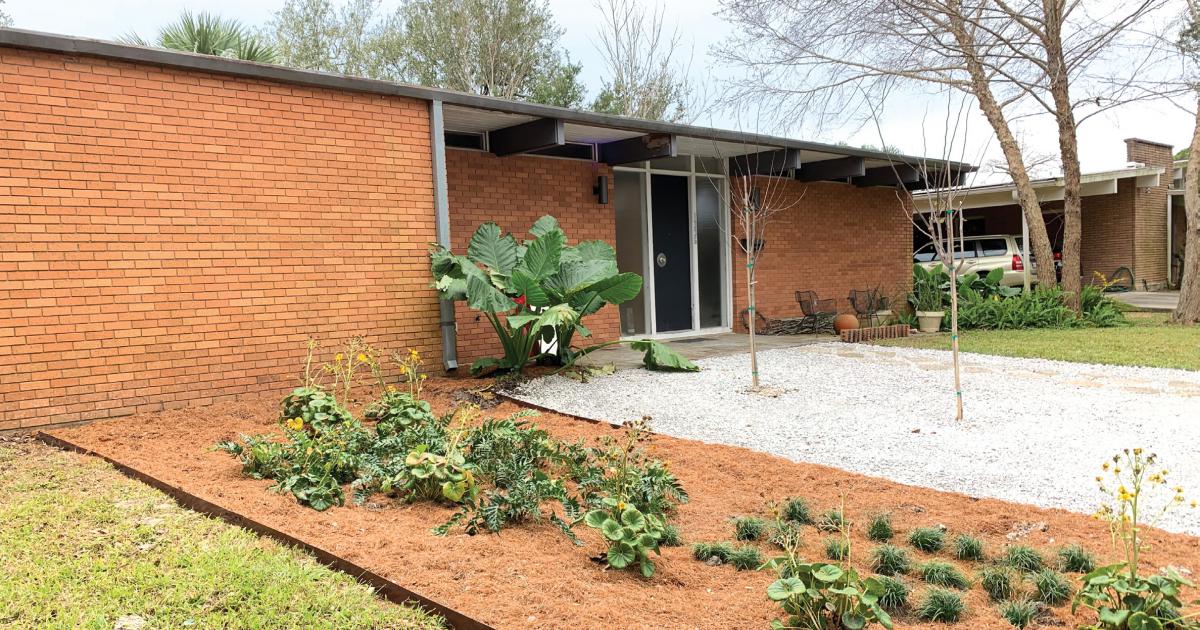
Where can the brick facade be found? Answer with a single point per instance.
(830, 239)
(1150, 214)
(171, 237)
(514, 192)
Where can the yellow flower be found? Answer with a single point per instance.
(621, 506)
(362, 358)
(295, 424)
(1193, 504)
(1104, 466)
(1137, 451)
(391, 388)
(338, 357)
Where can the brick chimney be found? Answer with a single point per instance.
(1150, 215)
(1150, 153)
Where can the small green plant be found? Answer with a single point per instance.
(895, 594)
(944, 574)
(705, 552)
(785, 534)
(1020, 613)
(967, 547)
(1122, 598)
(826, 596)
(631, 535)
(832, 521)
(1052, 588)
(880, 528)
(745, 558)
(941, 605)
(748, 528)
(1076, 559)
(928, 539)
(998, 582)
(796, 510)
(890, 560)
(837, 549)
(671, 537)
(1023, 558)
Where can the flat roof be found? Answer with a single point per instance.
(1048, 189)
(470, 112)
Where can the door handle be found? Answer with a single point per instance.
(661, 259)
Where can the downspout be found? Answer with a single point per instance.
(441, 212)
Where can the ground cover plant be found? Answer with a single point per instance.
(927, 539)
(496, 472)
(1020, 613)
(968, 547)
(536, 293)
(880, 528)
(890, 560)
(84, 546)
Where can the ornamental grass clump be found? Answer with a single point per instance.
(1023, 558)
(671, 537)
(894, 597)
(890, 560)
(941, 605)
(837, 548)
(833, 521)
(944, 574)
(927, 539)
(1020, 613)
(968, 547)
(1052, 588)
(748, 528)
(745, 558)
(880, 528)
(1076, 559)
(796, 510)
(998, 582)
(706, 552)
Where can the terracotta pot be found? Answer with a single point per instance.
(845, 321)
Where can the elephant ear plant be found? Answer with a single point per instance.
(540, 290)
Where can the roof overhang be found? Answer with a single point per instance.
(482, 114)
(1091, 185)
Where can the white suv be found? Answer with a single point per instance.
(982, 254)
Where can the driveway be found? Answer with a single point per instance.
(1036, 431)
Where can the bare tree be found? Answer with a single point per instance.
(1018, 58)
(1188, 309)
(645, 79)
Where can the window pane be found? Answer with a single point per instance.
(709, 263)
(629, 200)
(993, 247)
(677, 163)
(964, 250)
(925, 254)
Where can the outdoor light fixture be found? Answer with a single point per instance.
(601, 189)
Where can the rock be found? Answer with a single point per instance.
(129, 622)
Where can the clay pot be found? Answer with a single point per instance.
(845, 321)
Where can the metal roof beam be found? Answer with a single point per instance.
(836, 169)
(647, 147)
(534, 135)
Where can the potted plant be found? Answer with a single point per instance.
(927, 295)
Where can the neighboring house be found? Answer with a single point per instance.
(1124, 215)
(176, 226)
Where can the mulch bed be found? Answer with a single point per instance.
(531, 576)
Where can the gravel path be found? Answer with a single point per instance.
(1036, 431)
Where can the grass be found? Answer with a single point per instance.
(1020, 613)
(1076, 559)
(83, 545)
(836, 549)
(748, 528)
(998, 582)
(944, 574)
(895, 593)
(796, 510)
(880, 528)
(927, 539)
(745, 558)
(890, 560)
(1149, 342)
(1052, 587)
(968, 548)
(941, 605)
(1023, 558)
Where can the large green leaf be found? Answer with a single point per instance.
(544, 225)
(557, 314)
(619, 288)
(492, 248)
(782, 589)
(659, 357)
(576, 276)
(596, 250)
(522, 283)
(620, 555)
(542, 256)
(482, 296)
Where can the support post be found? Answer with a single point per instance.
(1170, 238)
(1026, 264)
(441, 213)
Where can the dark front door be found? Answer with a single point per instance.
(672, 255)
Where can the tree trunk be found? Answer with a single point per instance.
(1068, 146)
(958, 402)
(750, 231)
(1188, 310)
(1026, 195)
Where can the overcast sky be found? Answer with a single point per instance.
(1101, 145)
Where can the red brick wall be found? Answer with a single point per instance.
(514, 192)
(830, 239)
(171, 237)
(1150, 213)
(1106, 239)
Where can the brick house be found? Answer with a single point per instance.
(175, 226)
(1125, 215)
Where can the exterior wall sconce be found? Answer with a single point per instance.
(600, 189)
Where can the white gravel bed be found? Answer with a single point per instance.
(1036, 431)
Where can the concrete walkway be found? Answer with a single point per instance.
(704, 347)
(1158, 301)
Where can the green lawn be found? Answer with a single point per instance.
(1149, 342)
(83, 546)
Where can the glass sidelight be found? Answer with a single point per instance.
(710, 255)
(629, 201)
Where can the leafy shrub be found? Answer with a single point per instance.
(397, 411)
(1099, 310)
(1023, 558)
(837, 548)
(998, 582)
(542, 288)
(1076, 559)
(748, 528)
(832, 521)
(819, 595)
(707, 551)
(944, 574)
(796, 510)
(928, 539)
(631, 535)
(671, 537)
(968, 547)
(929, 288)
(880, 528)
(1020, 613)
(745, 558)
(941, 605)
(1039, 308)
(894, 597)
(890, 560)
(1052, 588)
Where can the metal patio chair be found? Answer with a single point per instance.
(818, 314)
(865, 304)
